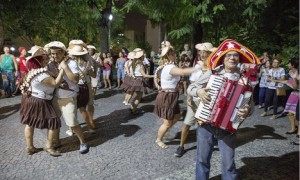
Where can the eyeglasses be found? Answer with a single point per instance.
(235, 55)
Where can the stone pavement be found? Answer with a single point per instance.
(123, 147)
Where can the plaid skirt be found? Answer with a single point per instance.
(38, 113)
(167, 106)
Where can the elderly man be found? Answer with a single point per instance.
(223, 62)
(65, 97)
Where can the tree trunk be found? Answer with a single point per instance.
(197, 36)
(1, 34)
(104, 41)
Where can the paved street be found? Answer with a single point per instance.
(123, 147)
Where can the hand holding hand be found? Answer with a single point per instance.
(243, 112)
(203, 95)
(63, 64)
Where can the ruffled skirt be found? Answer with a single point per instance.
(167, 105)
(38, 113)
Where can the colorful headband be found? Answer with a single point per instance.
(246, 55)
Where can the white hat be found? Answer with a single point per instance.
(57, 44)
(138, 54)
(166, 43)
(165, 50)
(137, 49)
(205, 47)
(36, 51)
(130, 55)
(77, 50)
(91, 47)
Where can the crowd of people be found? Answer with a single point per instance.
(55, 81)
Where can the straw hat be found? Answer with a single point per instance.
(205, 47)
(35, 52)
(77, 50)
(138, 54)
(166, 43)
(130, 55)
(91, 47)
(56, 44)
(165, 50)
(137, 49)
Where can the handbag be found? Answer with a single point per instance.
(280, 91)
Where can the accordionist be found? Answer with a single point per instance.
(224, 62)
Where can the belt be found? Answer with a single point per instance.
(43, 94)
(169, 90)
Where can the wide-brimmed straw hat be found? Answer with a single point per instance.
(246, 55)
(56, 44)
(131, 55)
(166, 43)
(138, 54)
(91, 47)
(165, 50)
(205, 47)
(77, 50)
(35, 52)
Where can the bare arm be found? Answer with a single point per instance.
(51, 82)
(182, 72)
(144, 74)
(73, 77)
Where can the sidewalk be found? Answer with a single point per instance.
(124, 148)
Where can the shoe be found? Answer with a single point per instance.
(179, 152)
(273, 117)
(263, 114)
(56, 145)
(260, 107)
(69, 132)
(292, 132)
(32, 150)
(92, 131)
(269, 108)
(52, 152)
(124, 102)
(84, 148)
(294, 143)
(127, 104)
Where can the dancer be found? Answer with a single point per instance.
(65, 98)
(167, 106)
(204, 50)
(36, 108)
(128, 79)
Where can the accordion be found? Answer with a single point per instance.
(227, 96)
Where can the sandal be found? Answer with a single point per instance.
(52, 152)
(161, 144)
(32, 150)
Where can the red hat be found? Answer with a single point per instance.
(246, 55)
(21, 49)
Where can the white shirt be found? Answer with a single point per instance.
(196, 74)
(39, 89)
(61, 93)
(137, 72)
(88, 78)
(277, 75)
(168, 81)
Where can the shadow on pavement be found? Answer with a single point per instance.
(106, 93)
(248, 134)
(9, 110)
(260, 168)
(108, 127)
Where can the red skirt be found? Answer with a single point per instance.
(139, 85)
(38, 113)
(83, 96)
(167, 106)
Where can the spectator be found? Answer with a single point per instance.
(263, 84)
